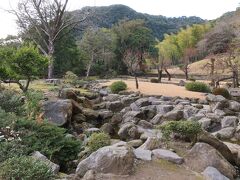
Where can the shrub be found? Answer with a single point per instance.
(7, 119)
(197, 86)
(24, 168)
(70, 78)
(11, 101)
(98, 140)
(118, 86)
(32, 105)
(154, 80)
(221, 91)
(11, 149)
(189, 129)
(49, 139)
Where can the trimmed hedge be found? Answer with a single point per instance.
(197, 86)
(118, 86)
(221, 91)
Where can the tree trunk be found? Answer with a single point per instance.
(136, 80)
(159, 69)
(27, 85)
(89, 66)
(186, 72)
(51, 59)
(168, 74)
(212, 67)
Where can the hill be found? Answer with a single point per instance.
(107, 16)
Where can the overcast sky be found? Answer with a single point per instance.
(206, 9)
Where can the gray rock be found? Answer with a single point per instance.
(203, 155)
(174, 115)
(181, 83)
(135, 143)
(189, 111)
(145, 124)
(234, 106)
(58, 112)
(151, 143)
(128, 131)
(92, 130)
(225, 133)
(142, 102)
(114, 106)
(111, 97)
(134, 107)
(136, 114)
(229, 121)
(105, 114)
(167, 155)
(107, 128)
(126, 101)
(142, 154)
(213, 98)
(149, 111)
(54, 167)
(162, 109)
(114, 159)
(116, 119)
(156, 119)
(211, 173)
(90, 175)
(205, 123)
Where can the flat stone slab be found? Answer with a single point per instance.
(142, 154)
(167, 155)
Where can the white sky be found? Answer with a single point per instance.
(206, 9)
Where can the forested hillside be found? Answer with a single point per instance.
(107, 16)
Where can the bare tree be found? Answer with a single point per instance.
(47, 19)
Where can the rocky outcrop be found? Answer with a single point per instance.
(114, 159)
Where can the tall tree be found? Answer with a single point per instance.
(134, 41)
(42, 21)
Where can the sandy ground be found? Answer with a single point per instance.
(160, 89)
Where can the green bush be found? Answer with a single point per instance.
(11, 101)
(118, 86)
(197, 86)
(189, 129)
(32, 105)
(221, 91)
(70, 78)
(11, 149)
(50, 140)
(7, 119)
(154, 80)
(98, 140)
(24, 168)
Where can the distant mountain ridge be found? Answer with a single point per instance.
(107, 16)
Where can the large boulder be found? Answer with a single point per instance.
(143, 102)
(225, 133)
(143, 154)
(211, 173)
(167, 155)
(203, 155)
(58, 112)
(54, 167)
(163, 109)
(68, 93)
(114, 106)
(234, 106)
(114, 159)
(175, 115)
(128, 131)
(229, 121)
